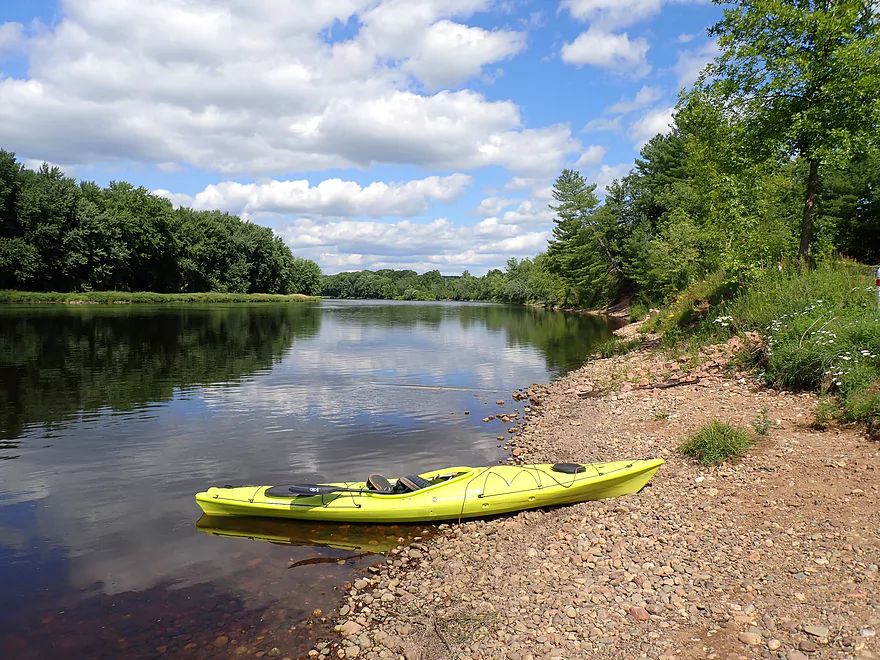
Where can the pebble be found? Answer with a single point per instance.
(750, 638)
(816, 631)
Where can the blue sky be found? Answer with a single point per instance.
(367, 133)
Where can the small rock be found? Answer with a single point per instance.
(350, 628)
(816, 631)
(352, 651)
(360, 585)
(639, 613)
(774, 644)
(500, 402)
(571, 613)
(345, 609)
(808, 647)
(795, 655)
(750, 638)
(221, 641)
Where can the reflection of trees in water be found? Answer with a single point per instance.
(563, 338)
(56, 362)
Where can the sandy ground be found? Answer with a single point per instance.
(774, 556)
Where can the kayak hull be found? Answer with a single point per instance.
(468, 493)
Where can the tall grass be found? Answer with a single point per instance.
(146, 297)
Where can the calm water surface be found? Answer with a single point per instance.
(112, 417)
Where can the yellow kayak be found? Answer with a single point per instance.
(452, 493)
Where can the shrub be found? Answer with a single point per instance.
(638, 311)
(716, 443)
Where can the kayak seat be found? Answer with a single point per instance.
(379, 483)
(411, 483)
(569, 468)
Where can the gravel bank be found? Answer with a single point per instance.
(775, 556)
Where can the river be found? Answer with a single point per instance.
(113, 416)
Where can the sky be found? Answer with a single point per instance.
(369, 134)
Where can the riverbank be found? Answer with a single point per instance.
(125, 297)
(772, 556)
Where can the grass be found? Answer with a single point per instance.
(125, 297)
(763, 424)
(638, 311)
(716, 443)
(616, 346)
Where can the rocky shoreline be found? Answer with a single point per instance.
(774, 556)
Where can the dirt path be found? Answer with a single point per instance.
(772, 557)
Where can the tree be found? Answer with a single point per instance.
(580, 252)
(802, 76)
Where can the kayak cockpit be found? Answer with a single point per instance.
(374, 485)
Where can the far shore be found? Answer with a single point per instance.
(127, 298)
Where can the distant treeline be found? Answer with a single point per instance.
(391, 284)
(60, 235)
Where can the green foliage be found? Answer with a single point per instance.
(614, 346)
(800, 79)
(638, 311)
(763, 424)
(716, 443)
(57, 235)
(823, 415)
(582, 252)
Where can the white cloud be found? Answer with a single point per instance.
(11, 37)
(612, 13)
(352, 244)
(252, 87)
(650, 124)
(691, 62)
(591, 157)
(608, 51)
(450, 53)
(607, 174)
(522, 183)
(645, 96)
(330, 198)
(492, 206)
(685, 38)
(603, 124)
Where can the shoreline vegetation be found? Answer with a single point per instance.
(140, 297)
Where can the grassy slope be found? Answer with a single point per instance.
(820, 330)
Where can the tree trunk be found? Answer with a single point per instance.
(809, 211)
(612, 261)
